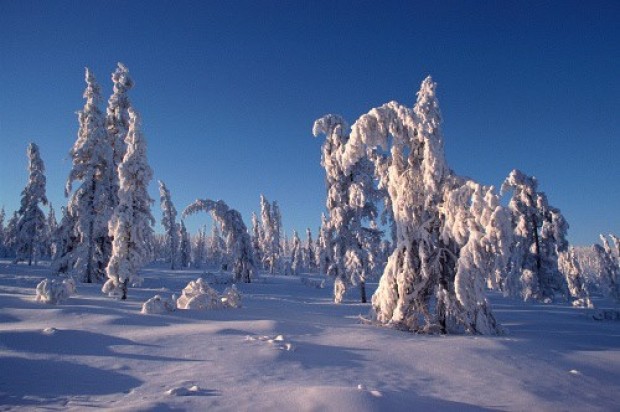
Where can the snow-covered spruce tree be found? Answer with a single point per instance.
(117, 124)
(324, 253)
(276, 219)
(309, 251)
(31, 224)
(480, 227)
(2, 233)
(50, 233)
(132, 221)
(607, 268)
(351, 199)
(215, 249)
(270, 241)
(185, 247)
(244, 268)
(171, 228)
(89, 206)
(417, 290)
(569, 266)
(67, 239)
(539, 235)
(297, 255)
(257, 236)
(199, 247)
(10, 235)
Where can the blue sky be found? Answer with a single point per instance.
(228, 92)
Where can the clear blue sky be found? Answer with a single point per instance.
(228, 92)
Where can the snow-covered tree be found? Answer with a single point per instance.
(244, 268)
(117, 124)
(2, 233)
(297, 255)
(324, 253)
(569, 266)
(90, 205)
(607, 268)
(50, 232)
(10, 235)
(257, 236)
(185, 246)
(540, 235)
(270, 240)
(66, 239)
(31, 225)
(215, 249)
(276, 219)
(418, 289)
(132, 221)
(309, 251)
(199, 247)
(169, 222)
(351, 201)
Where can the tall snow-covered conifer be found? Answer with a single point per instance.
(90, 205)
(171, 228)
(132, 221)
(31, 223)
(540, 235)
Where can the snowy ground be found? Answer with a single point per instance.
(289, 348)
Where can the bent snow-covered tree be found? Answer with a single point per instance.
(132, 221)
(30, 228)
(236, 233)
(418, 291)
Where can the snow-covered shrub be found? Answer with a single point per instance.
(158, 305)
(198, 295)
(339, 290)
(54, 291)
(231, 298)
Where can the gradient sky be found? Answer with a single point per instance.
(228, 92)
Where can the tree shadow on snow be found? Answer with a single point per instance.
(312, 355)
(32, 382)
(74, 342)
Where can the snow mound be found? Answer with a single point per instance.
(313, 283)
(277, 342)
(182, 391)
(198, 295)
(157, 306)
(54, 291)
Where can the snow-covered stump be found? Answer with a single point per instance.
(55, 291)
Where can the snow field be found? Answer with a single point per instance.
(93, 351)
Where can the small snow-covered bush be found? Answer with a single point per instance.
(158, 305)
(198, 295)
(54, 291)
(231, 297)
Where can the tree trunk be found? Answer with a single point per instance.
(363, 291)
